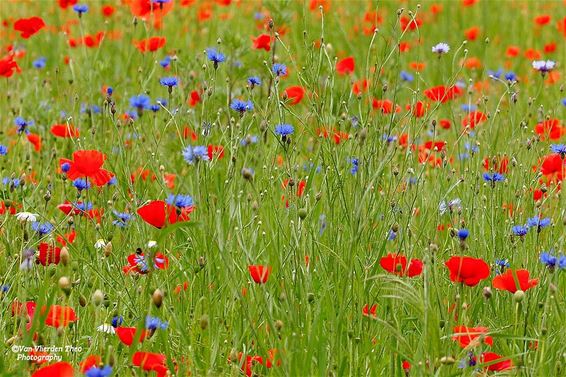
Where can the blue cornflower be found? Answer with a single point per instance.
(180, 201)
(109, 91)
(154, 323)
(241, 106)
(65, 167)
(80, 9)
(355, 165)
(140, 102)
(406, 76)
(511, 76)
(279, 69)
(468, 108)
(463, 234)
(195, 154)
(155, 107)
(12, 182)
(560, 149)
(564, 101)
(42, 228)
(104, 371)
(81, 184)
(472, 147)
(284, 130)
(122, 220)
(250, 139)
(215, 57)
(452, 205)
(520, 230)
(549, 260)
(3, 150)
(493, 177)
(495, 74)
(169, 81)
(389, 138)
(160, 1)
(23, 125)
(39, 62)
(165, 62)
(92, 109)
(83, 206)
(117, 320)
(254, 81)
(538, 222)
(112, 181)
(391, 236)
(501, 265)
(322, 224)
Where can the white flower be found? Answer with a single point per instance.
(27, 217)
(543, 66)
(106, 328)
(151, 244)
(441, 48)
(100, 244)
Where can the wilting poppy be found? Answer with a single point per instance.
(467, 270)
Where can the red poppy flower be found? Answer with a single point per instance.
(472, 33)
(360, 87)
(295, 94)
(60, 369)
(48, 254)
(542, 19)
(150, 44)
(29, 26)
(8, 66)
(65, 131)
(368, 311)
(108, 10)
(126, 335)
(419, 109)
(507, 281)
(552, 164)
(467, 335)
(149, 361)
(397, 264)
(501, 164)
(146, 8)
(408, 23)
(550, 129)
(249, 363)
(88, 164)
(262, 41)
(139, 264)
(35, 140)
(194, 98)
(18, 309)
(443, 94)
(473, 119)
(259, 273)
(64, 4)
(386, 106)
(159, 214)
(92, 41)
(345, 66)
(467, 270)
(215, 151)
(89, 362)
(59, 316)
(495, 365)
(445, 124)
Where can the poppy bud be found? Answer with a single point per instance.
(302, 213)
(82, 301)
(447, 360)
(518, 296)
(65, 284)
(310, 298)
(203, 322)
(97, 297)
(278, 325)
(107, 249)
(233, 357)
(487, 292)
(65, 257)
(157, 297)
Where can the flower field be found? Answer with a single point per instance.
(282, 188)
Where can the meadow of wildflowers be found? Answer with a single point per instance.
(286, 188)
